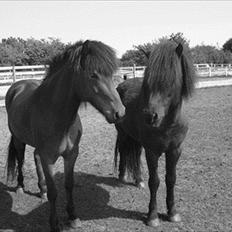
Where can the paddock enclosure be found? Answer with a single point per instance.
(204, 174)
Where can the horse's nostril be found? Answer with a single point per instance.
(151, 118)
(145, 111)
(117, 116)
(154, 116)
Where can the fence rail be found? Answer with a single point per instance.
(14, 73)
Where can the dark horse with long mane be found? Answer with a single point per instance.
(154, 121)
(44, 115)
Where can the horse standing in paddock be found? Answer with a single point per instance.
(45, 116)
(154, 121)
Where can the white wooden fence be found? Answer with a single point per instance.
(209, 70)
(14, 73)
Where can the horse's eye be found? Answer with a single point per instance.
(94, 76)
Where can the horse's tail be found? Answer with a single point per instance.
(11, 160)
(129, 151)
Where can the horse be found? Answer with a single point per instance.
(154, 121)
(45, 116)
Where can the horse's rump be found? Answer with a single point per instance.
(19, 107)
(20, 91)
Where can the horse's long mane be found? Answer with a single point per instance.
(100, 57)
(166, 71)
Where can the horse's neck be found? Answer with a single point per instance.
(57, 95)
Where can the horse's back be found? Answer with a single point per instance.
(20, 91)
(129, 90)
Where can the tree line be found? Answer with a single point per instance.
(200, 53)
(18, 51)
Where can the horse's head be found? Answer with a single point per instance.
(168, 79)
(156, 110)
(95, 85)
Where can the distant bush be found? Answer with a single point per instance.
(17, 51)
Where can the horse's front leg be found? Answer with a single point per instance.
(153, 183)
(172, 157)
(69, 162)
(41, 178)
(47, 165)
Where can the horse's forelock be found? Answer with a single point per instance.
(166, 71)
(100, 57)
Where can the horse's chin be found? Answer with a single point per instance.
(155, 124)
(110, 117)
(109, 120)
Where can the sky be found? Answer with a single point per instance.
(120, 24)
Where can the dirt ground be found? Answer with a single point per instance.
(203, 189)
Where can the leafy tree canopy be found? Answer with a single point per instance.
(17, 51)
(227, 46)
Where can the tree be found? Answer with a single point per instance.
(145, 50)
(17, 51)
(227, 55)
(227, 46)
(52, 47)
(12, 51)
(179, 38)
(132, 57)
(207, 54)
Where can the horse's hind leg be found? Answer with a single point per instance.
(41, 178)
(130, 159)
(172, 157)
(69, 162)
(122, 166)
(20, 150)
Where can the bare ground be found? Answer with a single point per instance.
(203, 190)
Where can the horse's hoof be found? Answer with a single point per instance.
(19, 191)
(140, 185)
(75, 223)
(175, 218)
(122, 179)
(44, 196)
(153, 223)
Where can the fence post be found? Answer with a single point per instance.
(13, 74)
(134, 67)
(226, 71)
(210, 72)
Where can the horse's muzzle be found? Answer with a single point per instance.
(151, 119)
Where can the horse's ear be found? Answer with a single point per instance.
(179, 49)
(84, 53)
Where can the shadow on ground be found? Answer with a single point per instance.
(91, 201)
